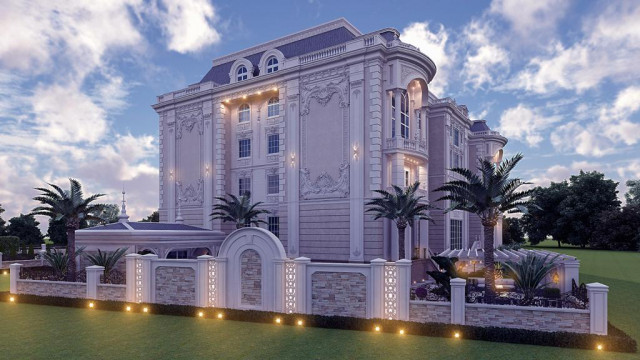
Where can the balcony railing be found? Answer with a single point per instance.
(400, 143)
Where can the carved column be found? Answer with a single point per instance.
(207, 110)
(375, 96)
(397, 95)
(292, 160)
(356, 193)
(219, 144)
(171, 165)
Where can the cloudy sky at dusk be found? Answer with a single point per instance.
(559, 78)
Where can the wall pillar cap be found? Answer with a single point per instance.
(458, 281)
(302, 259)
(15, 265)
(149, 256)
(404, 262)
(378, 261)
(205, 257)
(94, 268)
(221, 259)
(133, 255)
(597, 286)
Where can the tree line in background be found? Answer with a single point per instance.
(583, 211)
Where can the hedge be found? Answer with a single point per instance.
(7, 243)
(617, 340)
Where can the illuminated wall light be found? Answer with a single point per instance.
(355, 152)
(278, 320)
(456, 335)
(401, 331)
(259, 92)
(300, 323)
(244, 97)
(220, 316)
(275, 88)
(91, 305)
(226, 101)
(145, 309)
(499, 287)
(600, 347)
(293, 159)
(555, 278)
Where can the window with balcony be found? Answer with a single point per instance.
(273, 143)
(273, 223)
(244, 148)
(456, 234)
(273, 184)
(404, 115)
(244, 113)
(242, 73)
(244, 185)
(272, 65)
(273, 107)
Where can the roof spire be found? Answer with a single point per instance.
(123, 217)
(179, 218)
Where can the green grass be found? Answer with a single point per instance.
(44, 332)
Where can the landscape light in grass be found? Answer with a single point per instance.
(499, 286)
(201, 314)
(12, 299)
(278, 320)
(377, 328)
(456, 335)
(5, 272)
(91, 305)
(145, 309)
(401, 331)
(128, 308)
(220, 316)
(300, 323)
(600, 347)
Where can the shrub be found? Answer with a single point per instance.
(59, 261)
(8, 242)
(529, 274)
(106, 259)
(31, 250)
(443, 278)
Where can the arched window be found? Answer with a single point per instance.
(393, 116)
(242, 73)
(244, 113)
(273, 108)
(404, 115)
(272, 65)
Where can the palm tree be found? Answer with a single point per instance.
(72, 207)
(238, 210)
(488, 194)
(402, 207)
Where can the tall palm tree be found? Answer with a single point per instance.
(72, 207)
(238, 210)
(488, 194)
(402, 207)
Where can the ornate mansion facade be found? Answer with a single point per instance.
(311, 124)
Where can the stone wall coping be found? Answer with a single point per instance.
(340, 265)
(113, 285)
(52, 282)
(528, 308)
(424, 302)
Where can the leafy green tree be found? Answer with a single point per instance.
(489, 194)
(512, 231)
(618, 229)
(632, 196)
(3, 224)
(73, 207)
(590, 194)
(26, 228)
(402, 207)
(239, 211)
(542, 219)
(154, 217)
(108, 215)
(57, 231)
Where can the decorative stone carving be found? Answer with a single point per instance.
(188, 117)
(324, 92)
(192, 194)
(324, 186)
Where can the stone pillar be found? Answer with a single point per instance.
(207, 204)
(202, 280)
(131, 260)
(597, 294)
(147, 291)
(93, 279)
(377, 288)
(14, 275)
(403, 286)
(170, 161)
(278, 286)
(570, 270)
(221, 282)
(458, 301)
(356, 169)
(220, 148)
(397, 95)
(0, 259)
(292, 164)
(301, 284)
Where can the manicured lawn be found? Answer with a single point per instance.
(43, 332)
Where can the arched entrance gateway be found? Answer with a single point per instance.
(254, 272)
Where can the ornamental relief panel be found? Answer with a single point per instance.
(191, 194)
(189, 117)
(324, 186)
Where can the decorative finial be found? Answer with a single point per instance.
(123, 217)
(179, 218)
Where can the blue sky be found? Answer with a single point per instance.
(559, 78)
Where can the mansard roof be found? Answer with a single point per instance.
(479, 125)
(219, 74)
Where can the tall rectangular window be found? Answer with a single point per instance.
(274, 225)
(273, 143)
(244, 185)
(273, 184)
(244, 148)
(456, 137)
(456, 234)
(406, 177)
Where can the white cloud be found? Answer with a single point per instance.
(557, 173)
(486, 60)
(608, 50)
(525, 124)
(435, 46)
(527, 17)
(188, 25)
(605, 134)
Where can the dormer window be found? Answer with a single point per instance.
(244, 113)
(242, 73)
(272, 65)
(273, 108)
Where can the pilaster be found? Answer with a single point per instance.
(293, 168)
(356, 178)
(170, 158)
